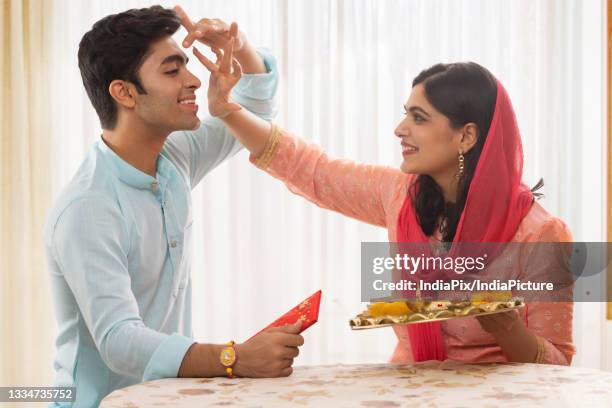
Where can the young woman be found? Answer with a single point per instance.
(460, 181)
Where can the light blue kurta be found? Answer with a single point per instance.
(118, 250)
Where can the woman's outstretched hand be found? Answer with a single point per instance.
(225, 73)
(211, 32)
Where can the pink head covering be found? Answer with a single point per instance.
(496, 203)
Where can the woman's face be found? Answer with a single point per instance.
(429, 144)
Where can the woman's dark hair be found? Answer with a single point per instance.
(464, 93)
(115, 48)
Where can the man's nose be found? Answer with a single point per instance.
(193, 81)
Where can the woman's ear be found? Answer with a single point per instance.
(469, 136)
(122, 93)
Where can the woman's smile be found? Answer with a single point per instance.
(408, 149)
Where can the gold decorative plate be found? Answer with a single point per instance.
(434, 312)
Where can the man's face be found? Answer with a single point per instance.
(169, 103)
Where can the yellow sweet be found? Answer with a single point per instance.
(388, 309)
(376, 309)
(485, 297)
(396, 308)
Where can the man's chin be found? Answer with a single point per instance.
(191, 125)
(196, 124)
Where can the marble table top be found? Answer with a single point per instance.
(428, 384)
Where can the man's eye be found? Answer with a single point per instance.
(174, 71)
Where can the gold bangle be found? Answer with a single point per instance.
(541, 351)
(262, 157)
(266, 157)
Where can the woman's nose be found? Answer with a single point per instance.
(401, 129)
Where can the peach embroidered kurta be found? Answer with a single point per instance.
(375, 194)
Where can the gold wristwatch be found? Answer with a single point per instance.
(228, 358)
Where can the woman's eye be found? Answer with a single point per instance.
(418, 118)
(174, 71)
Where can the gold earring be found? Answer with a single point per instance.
(461, 171)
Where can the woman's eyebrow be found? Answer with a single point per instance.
(414, 109)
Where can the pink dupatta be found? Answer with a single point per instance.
(497, 202)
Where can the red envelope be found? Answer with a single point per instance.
(307, 312)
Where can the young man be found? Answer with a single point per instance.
(118, 237)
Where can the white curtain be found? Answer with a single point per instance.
(346, 69)
(24, 194)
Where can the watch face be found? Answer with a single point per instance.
(228, 356)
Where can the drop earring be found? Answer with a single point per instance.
(461, 171)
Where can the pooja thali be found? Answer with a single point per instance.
(385, 314)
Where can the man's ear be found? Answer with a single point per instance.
(469, 136)
(122, 92)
